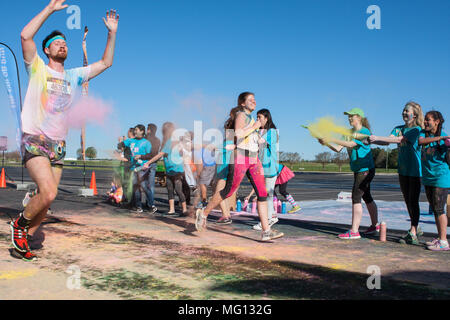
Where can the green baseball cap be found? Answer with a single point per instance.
(354, 111)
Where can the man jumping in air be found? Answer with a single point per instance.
(51, 93)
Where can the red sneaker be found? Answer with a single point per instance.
(350, 235)
(27, 256)
(19, 237)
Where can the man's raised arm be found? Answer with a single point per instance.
(111, 23)
(30, 30)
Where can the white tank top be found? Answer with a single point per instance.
(250, 142)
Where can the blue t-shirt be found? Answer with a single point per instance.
(173, 160)
(435, 171)
(409, 163)
(138, 147)
(268, 153)
(361, 158)
(206, 156)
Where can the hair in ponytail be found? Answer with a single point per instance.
(436, 115)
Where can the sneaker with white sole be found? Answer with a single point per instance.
(153, 209)
(419, 231)
(439, 246)
(224, 221)
(372, 230)
(200, 220)
(349, 235)
(432, 242)
(295, 209)
(271, 235)
(271, 223)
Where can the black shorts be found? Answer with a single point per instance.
(42, 146)
(361, 186)
(437, 197)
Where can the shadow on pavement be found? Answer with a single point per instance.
(325, 283)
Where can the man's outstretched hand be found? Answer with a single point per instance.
(112, 20)
(57, 5)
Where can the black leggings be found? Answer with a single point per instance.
(437, 197)
(410, 187)
(175, 182)
(361, 186)
(283, 190)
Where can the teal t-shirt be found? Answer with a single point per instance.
(268, 153)
(223, 160)
(138, 147)
(435, 171)
(409, 162)
(173, 160)
(361, 158)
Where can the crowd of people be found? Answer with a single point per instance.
(423, 159)
(250, 148)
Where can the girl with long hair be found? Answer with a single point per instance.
(409, 164)
(245, 162)
(436, 174)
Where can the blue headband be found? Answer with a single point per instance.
(49, 42)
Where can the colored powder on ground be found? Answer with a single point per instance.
(16, 274)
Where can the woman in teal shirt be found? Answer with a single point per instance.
(173, 161)
(409, 164)
(361, 163)
(436, 174)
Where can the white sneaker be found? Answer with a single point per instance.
(271, 223)
(271, 235)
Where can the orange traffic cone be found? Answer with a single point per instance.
(93, 184)
(2, 179)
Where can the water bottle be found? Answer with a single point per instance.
(279, 206)
(275, 204)
(254, 205)
(383, 232)
(245, 205)
(283, 207)
(238, 206)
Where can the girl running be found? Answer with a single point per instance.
(173, 161)
(284, 175)
(436, 174)
(361, 163)
(409, 164)
(245, 162)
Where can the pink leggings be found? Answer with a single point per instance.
(245, 165)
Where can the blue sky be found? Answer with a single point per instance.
(188, 60)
